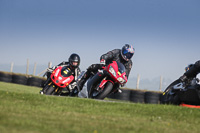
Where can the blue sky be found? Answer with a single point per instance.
(165, 33)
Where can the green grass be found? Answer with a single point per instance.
(23, 110)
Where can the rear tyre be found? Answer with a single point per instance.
(102, 93)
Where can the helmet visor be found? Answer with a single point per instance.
(127, 55)
(74, 63)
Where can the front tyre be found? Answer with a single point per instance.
(170, 97)
(50, 90)
(102, 93)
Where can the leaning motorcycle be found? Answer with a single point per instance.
(105, 81)
(60, 80)
(178, 92)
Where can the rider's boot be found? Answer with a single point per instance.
(44, 84)
(74, 92)
(90, 69)
(82, 81)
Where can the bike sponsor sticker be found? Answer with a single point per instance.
(119, 73)
(65, 72)
(56, 74)
(66, 80)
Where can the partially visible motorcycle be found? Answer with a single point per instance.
(178, 92)
(105, 81)
(60, 79)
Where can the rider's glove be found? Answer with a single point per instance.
(103, 62)
(54, 67)
(51, 69)
(183, 78)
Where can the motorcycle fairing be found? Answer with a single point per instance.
(62, 77)
(119, 71)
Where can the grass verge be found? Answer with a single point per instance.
(23, 110)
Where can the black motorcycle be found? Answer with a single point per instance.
(178, 92)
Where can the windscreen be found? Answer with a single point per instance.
(121, 67)
(66, 72)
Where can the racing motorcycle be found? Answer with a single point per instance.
(105, 81)
(179, 92)
(60, 80)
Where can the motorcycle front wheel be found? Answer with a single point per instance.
(50, 90)
(98, 93)
(170, 97)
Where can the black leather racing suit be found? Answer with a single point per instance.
(75, 71)
(193, 70)
(115, 55)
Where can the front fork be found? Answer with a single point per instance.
(104, 81)
(46, 86)
(57, 90)
(94, 81)
(115, 86)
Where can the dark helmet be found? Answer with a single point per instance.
(127, 52)
(74, 60)
(188, 67)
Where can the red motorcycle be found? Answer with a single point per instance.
(105, 81)
(60, 79)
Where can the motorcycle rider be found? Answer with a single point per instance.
(73, 63)
(123, 56)
(191, 71)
